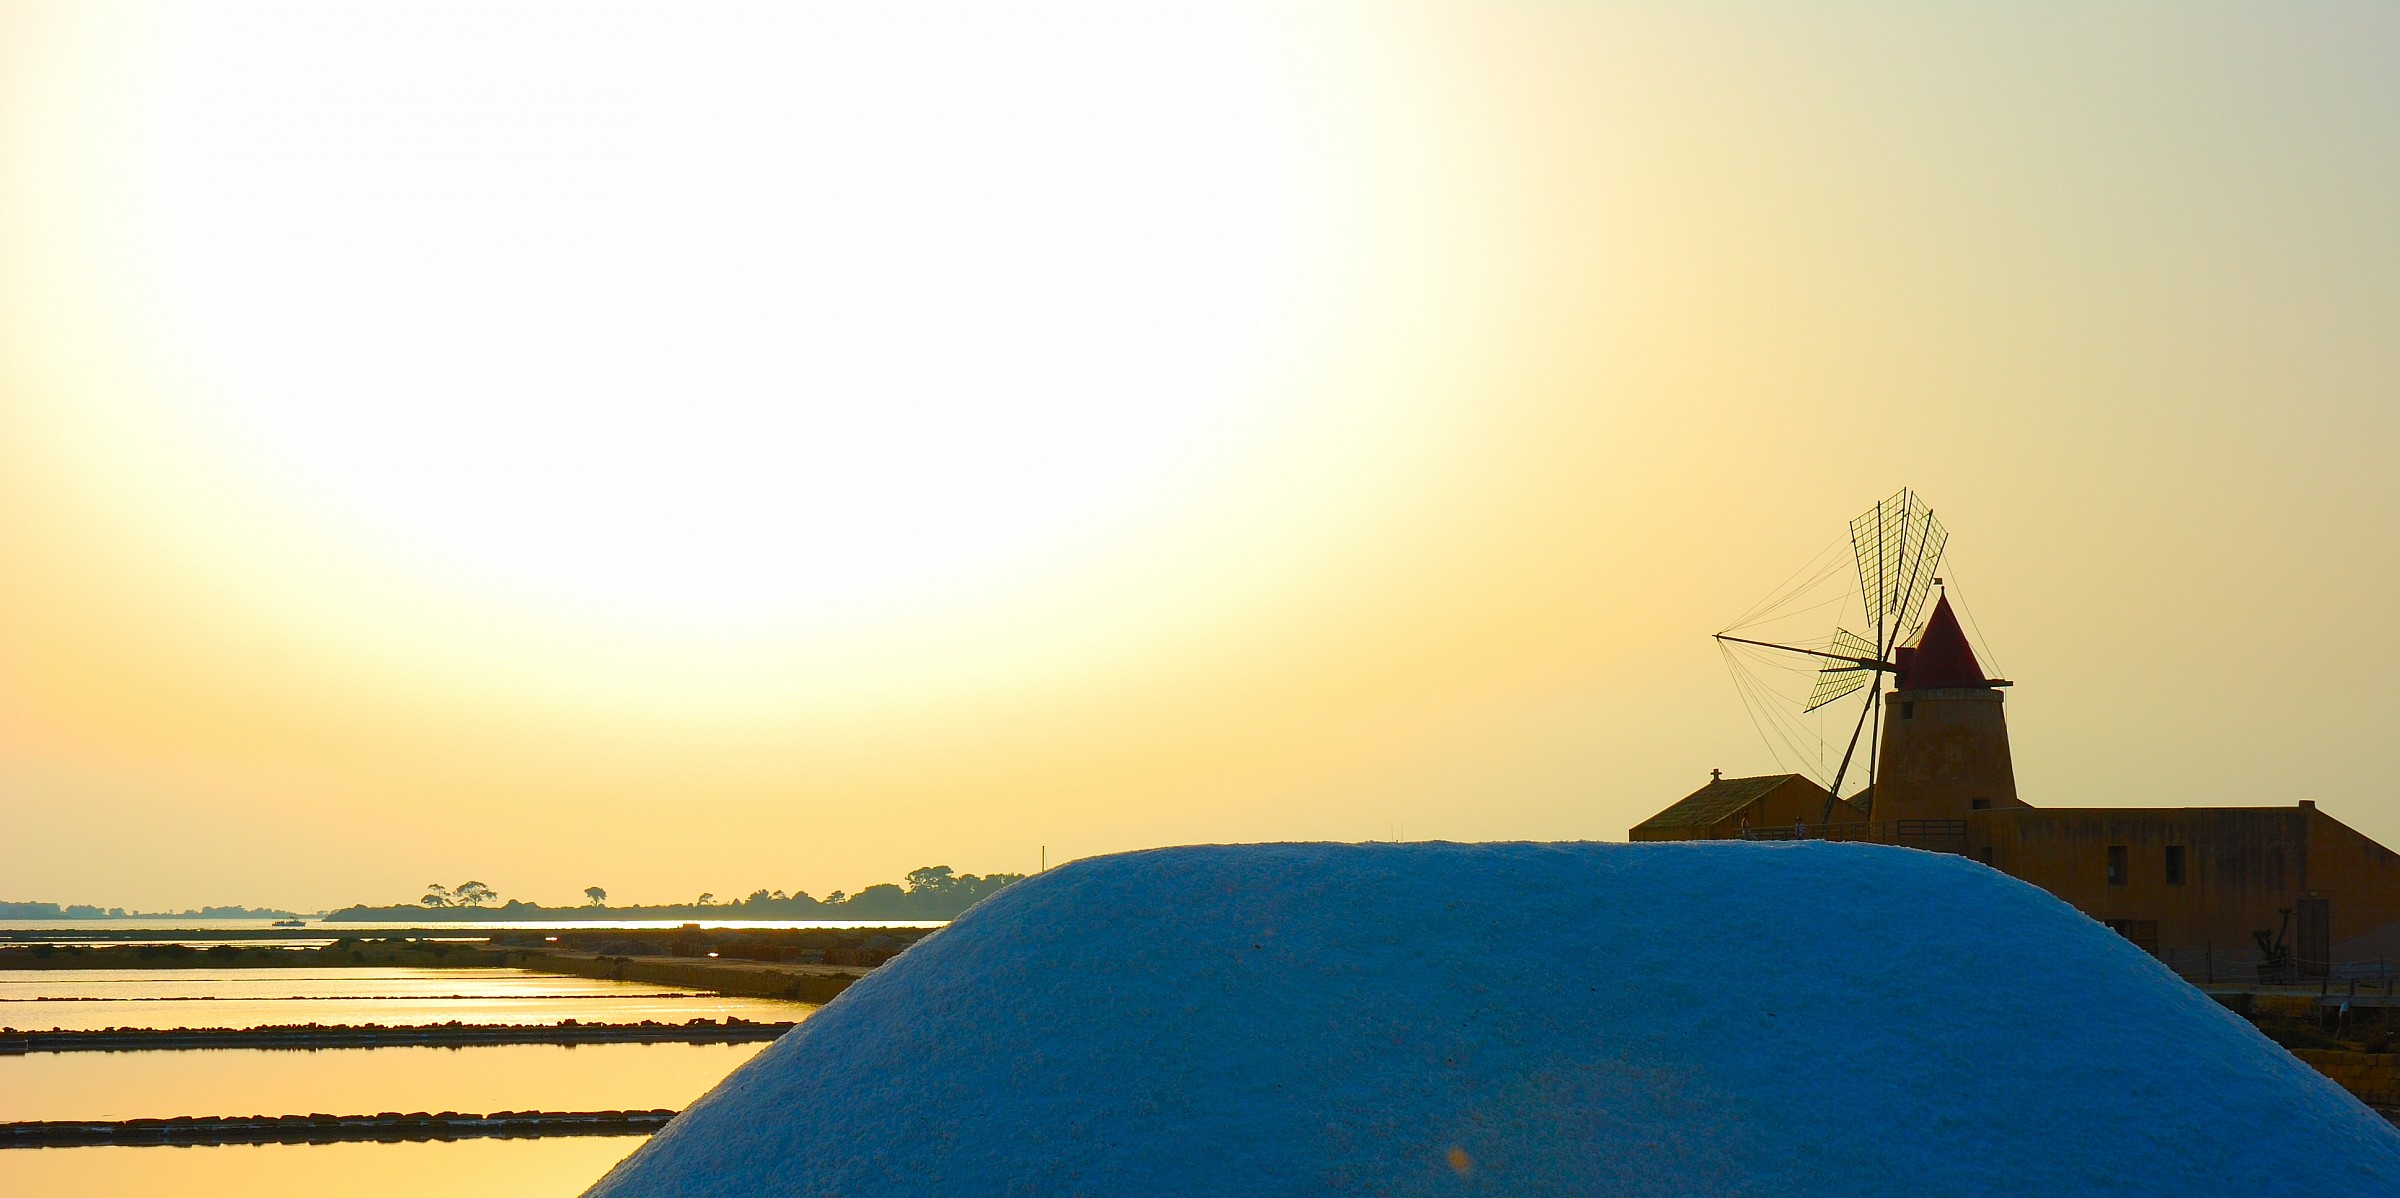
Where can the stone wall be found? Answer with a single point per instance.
(2373, 1076)
(816, 984)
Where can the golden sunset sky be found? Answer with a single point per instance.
(686, 448)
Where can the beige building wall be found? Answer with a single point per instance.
(1944, 754)
(2240, 866)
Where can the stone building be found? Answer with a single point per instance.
(1729, 808)
(2196, 883)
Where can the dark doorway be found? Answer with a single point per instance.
(2316, 940)
(2143, 932)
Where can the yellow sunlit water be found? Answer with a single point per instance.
(153, 1084)
(354, 1081)
(81, 1000)
(545, 1168)
(351, 1081)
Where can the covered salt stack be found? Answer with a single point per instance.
(1657, 1019)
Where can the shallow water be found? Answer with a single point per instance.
(318, 927)
(545, 1168)
(92, 1085)
(84, 999)
(355, 1081)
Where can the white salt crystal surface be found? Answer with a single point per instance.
(1669, 1019)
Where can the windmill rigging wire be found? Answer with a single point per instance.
(1825, 564)
(1743, 692)
(1820, 605)
(1779, 606)
(1798, 758)
(1760, 659)
(1761, 703)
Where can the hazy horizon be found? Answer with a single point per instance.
(677, 448)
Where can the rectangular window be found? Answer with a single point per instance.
(2174, 865)
(2116, 865)
(1908, 710)
(1980, 804)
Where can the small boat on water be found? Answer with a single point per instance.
(289, 923)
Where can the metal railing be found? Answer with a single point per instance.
(2208, 966)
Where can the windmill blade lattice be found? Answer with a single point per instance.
(1899, 547)
(1838, 679)
(1896, 548)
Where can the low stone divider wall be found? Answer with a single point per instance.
(2373, 1076)
(444, 1035)
(798, 983)
(327, 1129)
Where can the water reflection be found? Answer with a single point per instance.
(318, 927)
(90, 1085)
(131, 1085)
(303, 982)
(83, 999)
(545, 1168)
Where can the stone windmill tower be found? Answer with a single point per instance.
(1945, 730)
(1940, 748)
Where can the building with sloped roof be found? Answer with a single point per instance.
(1727, 807)
(2289, 884)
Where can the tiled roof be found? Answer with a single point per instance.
(1940, 658)
(1720, 798)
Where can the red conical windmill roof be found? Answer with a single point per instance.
(1941, 656)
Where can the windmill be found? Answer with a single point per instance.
(1896, 547)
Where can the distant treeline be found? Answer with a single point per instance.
(933, 892)
(82, 911)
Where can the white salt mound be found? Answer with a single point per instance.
(1588, 1019)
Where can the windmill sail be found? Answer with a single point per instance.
(1899, 547)
(1896, 548)
(1837, 678)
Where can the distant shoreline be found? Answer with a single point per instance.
(931, 893)
(918, 906)
(83, 911)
